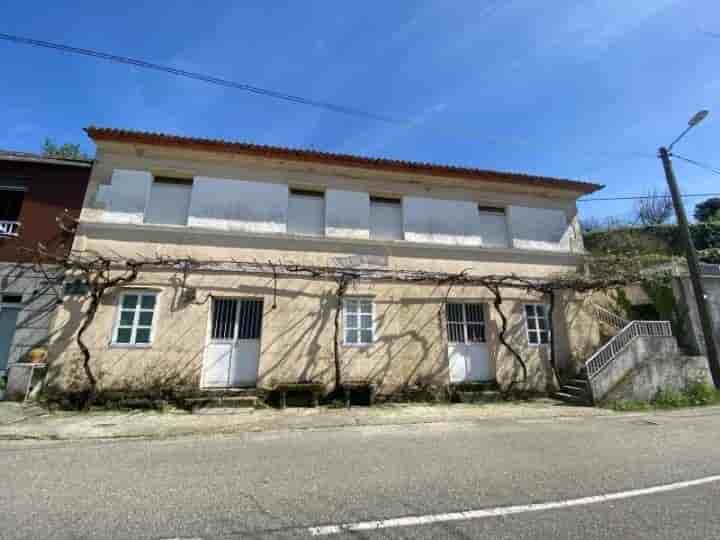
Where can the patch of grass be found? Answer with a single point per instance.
(629, 405)
(695, 394)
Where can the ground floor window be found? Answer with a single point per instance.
(358, 321)
(538, 324)
(465, 322)
(136, 318)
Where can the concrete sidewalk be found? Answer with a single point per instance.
(18, 422)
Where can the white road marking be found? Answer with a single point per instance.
(411, 521)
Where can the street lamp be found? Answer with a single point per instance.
(692, 258)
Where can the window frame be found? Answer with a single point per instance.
(537, 330)
(138, 309)
(464, 323)
(307, 193)
(359, 328)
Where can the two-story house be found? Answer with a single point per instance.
(156, 195)
(34, 191)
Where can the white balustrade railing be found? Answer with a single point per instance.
(9, 228)
(610, 318)
(607, 353)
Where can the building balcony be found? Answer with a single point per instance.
(9, 228)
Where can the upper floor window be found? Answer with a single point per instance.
(493, 226)
(169, 201)
(11, 201)
(386, 221)
(538, 324)
(135, 318)
(306, 212)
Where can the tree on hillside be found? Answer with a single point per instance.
(708, 210)
(654, 209)
(63, 151)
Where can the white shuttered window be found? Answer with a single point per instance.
(306, 213)
(169, 201)
(386, 222)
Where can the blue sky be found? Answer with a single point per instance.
(570, 88)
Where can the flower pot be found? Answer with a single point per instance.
(38, 355)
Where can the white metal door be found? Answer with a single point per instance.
(468, 353)
(231, 357)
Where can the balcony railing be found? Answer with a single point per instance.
(9, 228)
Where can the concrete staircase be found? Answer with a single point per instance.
(575, 390)
(225, 399)
(475, 392)
(633, 342)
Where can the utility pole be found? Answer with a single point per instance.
(693, 268)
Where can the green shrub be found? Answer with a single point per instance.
(701, 393)
(667, 398)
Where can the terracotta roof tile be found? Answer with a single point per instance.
(344, 160)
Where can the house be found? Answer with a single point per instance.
(34, 191)
(155, 195)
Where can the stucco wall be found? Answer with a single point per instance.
(663, 371)
(686, 296)
(627, 360)
(37, 306)
(297, 336)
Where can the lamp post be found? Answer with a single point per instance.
(692, 258)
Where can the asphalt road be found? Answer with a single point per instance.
(280, 485)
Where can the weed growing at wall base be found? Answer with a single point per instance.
(695, 394)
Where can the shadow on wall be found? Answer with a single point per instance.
(296, 342)
(537, 358)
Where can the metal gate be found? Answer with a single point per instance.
(232, 354)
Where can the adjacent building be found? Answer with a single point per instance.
(34, 191)
(153, 195)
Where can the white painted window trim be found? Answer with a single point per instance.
(464, 322)
(359, 328)
(116, 323)
(547, 321)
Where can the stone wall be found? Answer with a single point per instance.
(626, 361)
(661, 371)
(297, 335)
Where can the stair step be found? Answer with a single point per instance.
(247, 401)
(574, 390)
(573, 399)
(578, 382)
(481, 396)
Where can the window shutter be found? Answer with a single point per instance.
(306, 213)
(386, 219)
(169, 202)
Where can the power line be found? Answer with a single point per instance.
(350, 111)
(341, 109)
(636, 197)
(698, 164)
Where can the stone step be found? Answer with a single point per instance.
(225, 402)
(481, 396)
(574, 390)
(583, 383)
(573, 399)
